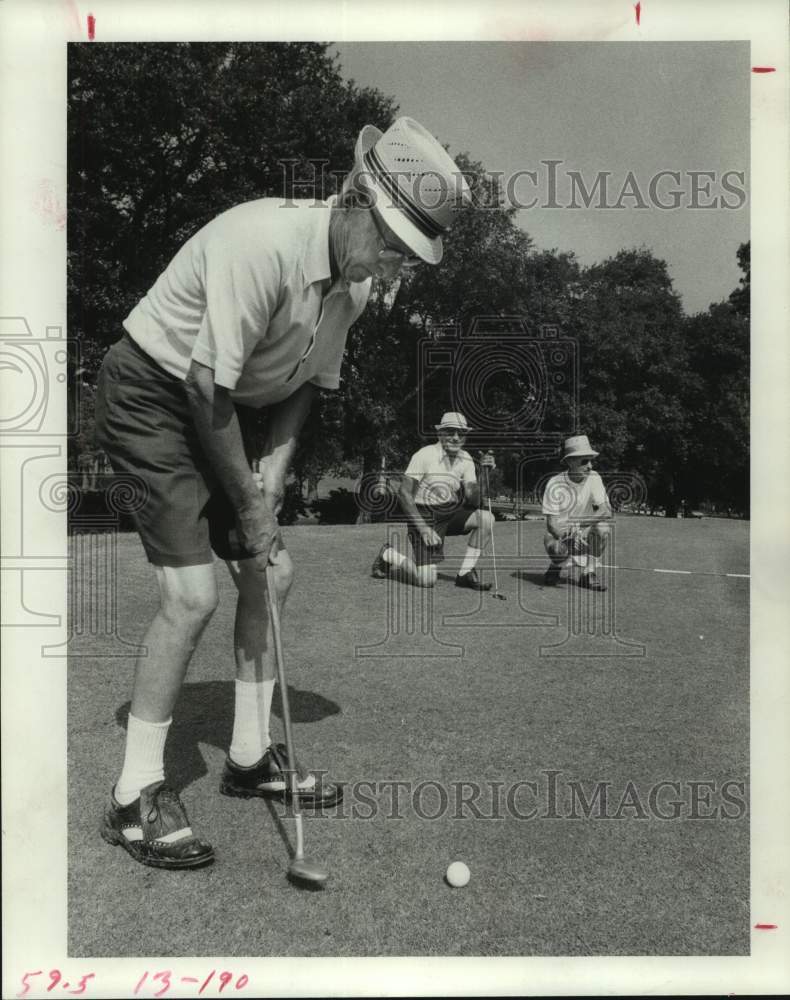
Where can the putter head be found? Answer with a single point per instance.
(305, 871)
(498, 596)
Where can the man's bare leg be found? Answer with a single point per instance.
(254, 656)
(404, 568)
(254, 765)
(480, 525)
(597, 541)
(188, 598)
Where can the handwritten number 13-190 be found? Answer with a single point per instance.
(165, 977)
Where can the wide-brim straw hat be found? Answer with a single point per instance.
(417, 188)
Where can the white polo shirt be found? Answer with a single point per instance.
(248, 296)
(439, 477)
(568, 500)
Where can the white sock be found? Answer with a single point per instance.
(246, 747)
(144, 760)
(393, 557)
(265, 695)
(470, 560)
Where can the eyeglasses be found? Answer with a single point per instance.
(391, 254)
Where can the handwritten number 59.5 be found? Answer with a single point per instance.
(54, 978)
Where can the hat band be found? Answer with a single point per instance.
(426, 225)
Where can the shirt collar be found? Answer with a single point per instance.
(450, 458)
(316, 265)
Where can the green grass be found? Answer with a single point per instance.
(501, 711)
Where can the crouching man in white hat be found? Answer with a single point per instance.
(437, 491)
(576, 509)
(251, 313)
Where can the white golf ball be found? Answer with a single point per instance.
(457, 874)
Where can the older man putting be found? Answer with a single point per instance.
(576, 508)
(252, 312)
(437, 491)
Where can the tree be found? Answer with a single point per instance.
(718, 345)
(740, 299)
(634, 369)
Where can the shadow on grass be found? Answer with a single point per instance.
(569, 578)
(534, 576)
(204, 714)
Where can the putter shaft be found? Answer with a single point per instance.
(299, 867)
(493, 546)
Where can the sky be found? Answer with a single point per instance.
(643, 107)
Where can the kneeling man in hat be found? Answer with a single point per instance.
(576, 509)
(437, 491)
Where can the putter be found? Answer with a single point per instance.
(495, 592)
(299, 868)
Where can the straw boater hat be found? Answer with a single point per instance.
(577, 447)
(416, 186)
(453, 422)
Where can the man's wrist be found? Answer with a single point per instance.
(253, 505)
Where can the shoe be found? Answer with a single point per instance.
(142, 827)
(471, 581)
(591, 582)
(552, 576)
(269, 779)
(380, 569)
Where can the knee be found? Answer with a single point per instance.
(486, 521)
(251, 582)
(598, 538)
(283, 574)
(191, 607)
(483, 522)
(601, 531)
(554, 547)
